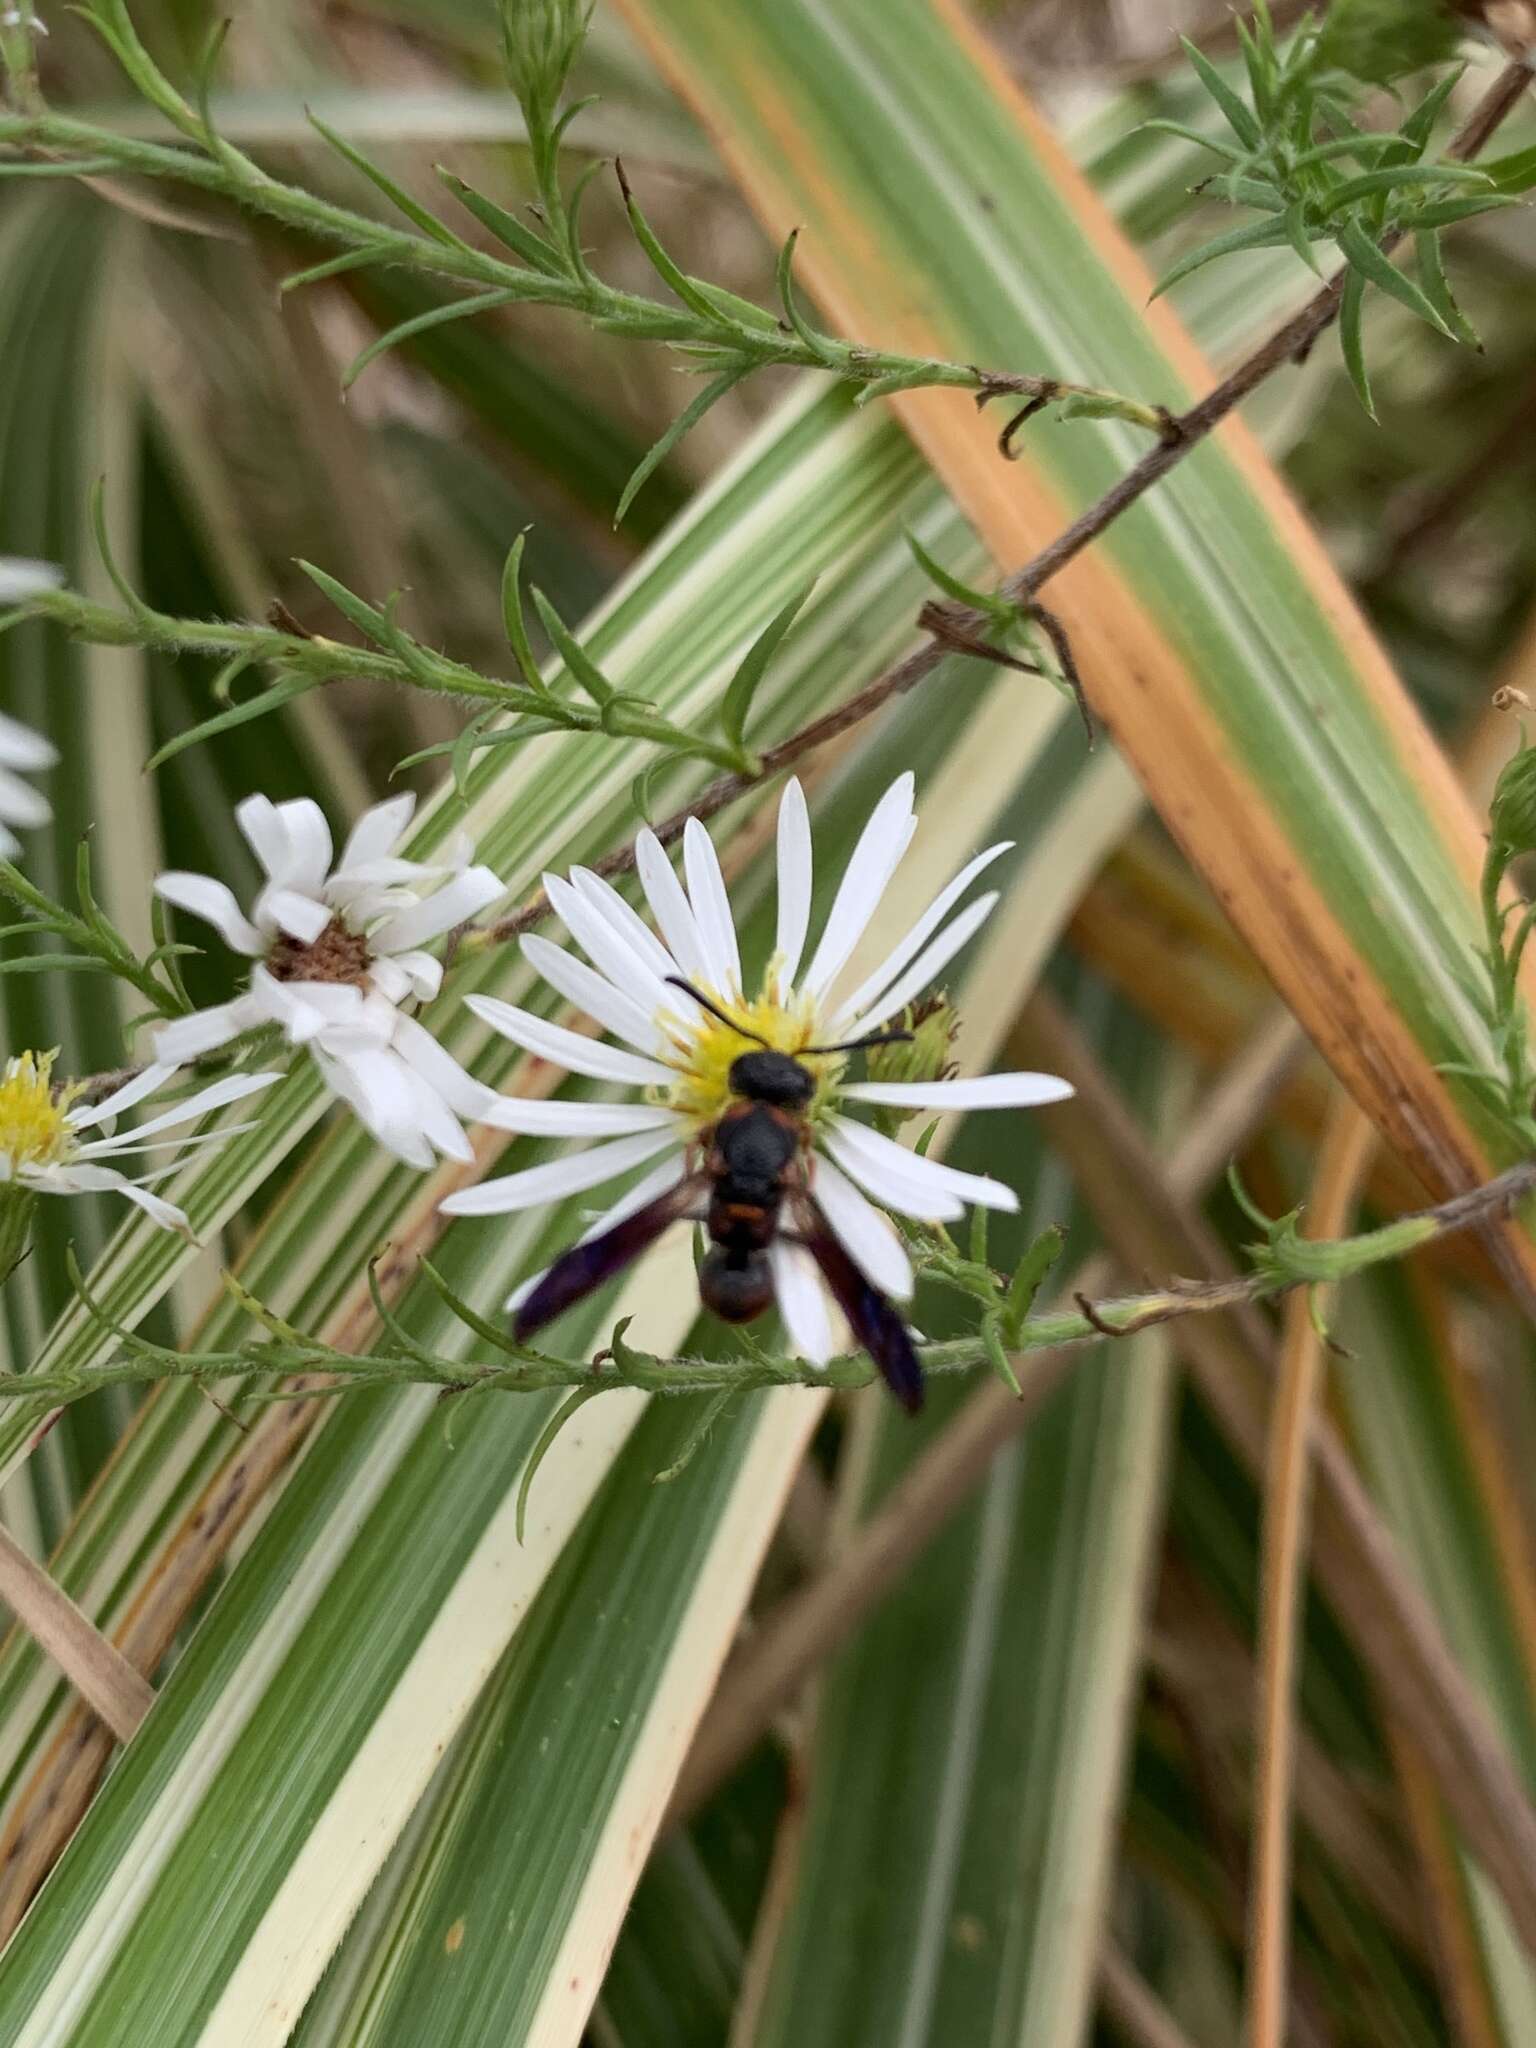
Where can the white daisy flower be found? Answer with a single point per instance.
(337, 951)
(679, 1045)
(44, 1146)
(23, 751)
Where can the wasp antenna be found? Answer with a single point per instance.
(863, 1044)
(713, 1008)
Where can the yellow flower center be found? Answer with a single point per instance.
(32, 1127)
(704, 1049)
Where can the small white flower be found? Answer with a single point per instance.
(337, 951)
(43, 1149)
(23, 751)
(680, 1056)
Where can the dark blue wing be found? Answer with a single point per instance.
(878, 1327)
(586, 1266)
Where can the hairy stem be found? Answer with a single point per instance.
(1285, 1264)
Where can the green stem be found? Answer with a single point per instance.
(231, 175)
(329, 661)
(287, 1353)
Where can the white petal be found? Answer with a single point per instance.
(454, 904)
(711, 908)
(21, 804)
(391, 981)
(802, 1302)
(132, 1091)
(106, 1179)
(440, 1070)
(421, 970)
(442, 1129)
(126, 1141)
(626, 920)
(881, 844)
(188, 1038)
(590, 991)
(214, 902)
(376, 1086)
(869, 990)
(572, 1050)
(556, 1178)
(605, 946)
(266, 834)
(867, 1154)
(670, 907)
(309, 845)
(302, 1020)
(434, 1115)
(367, 1025)
(233, 1088)
(21, 578)
(302, 917)
(985, 1091)
(933, 959)
(376, 832)
(645, 1189)
(21, 747)
(889, 1181)
(536, 1118)
(869, 1238)
(10, 845)
(795, 877)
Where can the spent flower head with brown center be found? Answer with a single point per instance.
(337, 951)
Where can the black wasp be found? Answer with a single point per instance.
(754, 1166)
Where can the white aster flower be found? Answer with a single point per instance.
(337, 951)
(44, 1146)
(678, 1056)
(23, 751)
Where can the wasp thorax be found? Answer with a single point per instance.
(338, 955)
(772, 1077)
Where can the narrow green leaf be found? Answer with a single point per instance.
(736, 704)
(542, 1446)
(436, 316)
(1030, 1276)
(1258, 234)
(1515, 172)
(1163, 126)
(1401, 177)
(368, 619)
(687, 419)
(1367, 261)
(46, 963)
(513, 622)
(540, 254)
(818, 344)
(1445, 213)
(956, 587)
(1239, 119)
(1420, 124)
(364, 258)
(1437, 288)
(686, 288)
(1301, 239)
(710, 1412)
(395, 194)
(584, 670)
(273, 698)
